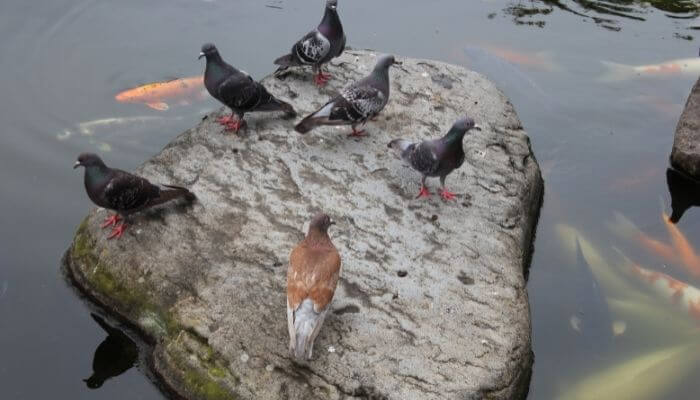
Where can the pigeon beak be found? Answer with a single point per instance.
(77, 164)
(200, 55)
(477, 127)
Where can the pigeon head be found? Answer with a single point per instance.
(465, 123)
(88, 160)
(332, 4)
(208, 50)
(321, 222)
(385, 62)
(94, 381)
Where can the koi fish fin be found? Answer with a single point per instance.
(616, 72)
(160, 106)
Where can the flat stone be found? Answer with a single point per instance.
(685, 155)
(432, 301)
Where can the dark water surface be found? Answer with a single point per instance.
(603, 147)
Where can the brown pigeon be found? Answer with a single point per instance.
(314, 268)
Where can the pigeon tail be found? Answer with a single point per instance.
(320, 117)
(307, 324)
(171, 192)
(286, 61)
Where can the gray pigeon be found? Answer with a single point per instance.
(237, 90)
(319, 46)
(437, 157)
(123, 192)
(356, 103)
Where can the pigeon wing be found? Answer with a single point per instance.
(312, 48)
(422, 157)
(360, 102)
(240, 91)
(126, 192)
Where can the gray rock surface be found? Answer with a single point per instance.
(432, 301)
(685, 155)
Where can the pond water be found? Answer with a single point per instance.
(602, 141)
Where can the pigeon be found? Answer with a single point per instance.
(356, 103)
(314, 269)
(319, 46)
(123, 192)
(115, 355)
(438, 157)
(237, 90)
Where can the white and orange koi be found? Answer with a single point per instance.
(684, 66)
(680, 294)
(689, 259)
(155, 95)
(622, 226)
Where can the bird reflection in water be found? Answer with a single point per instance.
(685, 193)
(114, 356)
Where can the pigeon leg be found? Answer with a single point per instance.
(424, 192)
(444, 193)
(111, 221)
(225, 120)
(235, 124)
(320, 79)
(356, 133)
(118, 231)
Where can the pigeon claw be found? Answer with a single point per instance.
(321, 79)
(111, 221)
(235, 125)
(117, 232)
(225, 120)
(424, 192)
(356, 133)
(447, 195)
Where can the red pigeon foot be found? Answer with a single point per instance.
(118, 231)
(424, 192)
(235, 125)
(111, 221)
(321, 79)
(225, 120)
(356, 133)
(446, 194)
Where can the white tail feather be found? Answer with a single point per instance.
(307, 324)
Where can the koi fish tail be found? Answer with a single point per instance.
(616, 72)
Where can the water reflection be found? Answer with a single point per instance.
(604, 13)
(685, 193)
(114, 356)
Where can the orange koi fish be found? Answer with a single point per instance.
(627, 229)
(686, 297)
(156, 94)
(689, 259)
(539, 60)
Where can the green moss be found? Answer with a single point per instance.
(140, 307)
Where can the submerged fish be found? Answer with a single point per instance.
(689, 259)
(678, 293)
(684, 66)
(88, 128)
(509, 77)
(645, 377)
(625, 228)
(592, 319)
(541, 60)
(156, 95)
